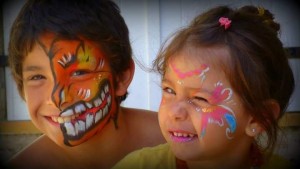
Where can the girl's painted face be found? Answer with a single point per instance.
(81, 89)
(199, 115)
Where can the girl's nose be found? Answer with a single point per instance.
(179, 111)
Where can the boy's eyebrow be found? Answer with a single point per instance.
(32, 68)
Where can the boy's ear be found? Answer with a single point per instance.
(123, 80)
(253, 127)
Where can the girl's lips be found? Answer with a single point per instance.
(182, 136)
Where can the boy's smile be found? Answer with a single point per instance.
(74, 87)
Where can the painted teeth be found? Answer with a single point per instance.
(74, 128)
(183, 134)
(80, 126)
(79, 108)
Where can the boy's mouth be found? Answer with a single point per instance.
(83, 116)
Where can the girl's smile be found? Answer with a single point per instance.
(201, 115)
(181, 136)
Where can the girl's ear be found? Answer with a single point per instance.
(253, 127)
(123, 80)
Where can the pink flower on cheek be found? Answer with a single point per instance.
(220, 94)
(218, 113)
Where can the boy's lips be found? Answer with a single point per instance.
(182, 136)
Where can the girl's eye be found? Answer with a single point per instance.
(169, 90)
(200, 99)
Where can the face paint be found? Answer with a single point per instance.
(83, 88)
(182, 75)
(218, 112)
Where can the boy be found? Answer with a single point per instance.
(72, 64)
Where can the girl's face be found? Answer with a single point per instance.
(68, 89)
(200, 115)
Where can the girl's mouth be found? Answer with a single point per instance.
(179, 136)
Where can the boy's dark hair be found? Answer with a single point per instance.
(96, 20)
(258, 68)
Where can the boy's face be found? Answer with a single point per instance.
(200, 115)
(68, 88)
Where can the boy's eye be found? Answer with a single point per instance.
(169, 90)
(37, 77)
(79, 72)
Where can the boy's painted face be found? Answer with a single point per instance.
(73, 81)
(199, 113)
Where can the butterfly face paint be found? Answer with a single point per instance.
(199, 94)
(83, 88)
(217, 111)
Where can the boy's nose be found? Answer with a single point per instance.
(61, 97)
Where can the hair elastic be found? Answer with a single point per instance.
(261, 11)
(225, 22)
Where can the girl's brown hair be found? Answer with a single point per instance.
(258, 68)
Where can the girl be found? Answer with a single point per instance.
(225, 81)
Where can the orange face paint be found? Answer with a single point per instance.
(83, 88)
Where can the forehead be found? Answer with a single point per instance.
(216, 57)
(50, 41)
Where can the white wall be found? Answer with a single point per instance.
(150, 22)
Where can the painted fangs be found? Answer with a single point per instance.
(75, 125)
(68, 112)
(81, 126)
(88, 105)
(97, 102)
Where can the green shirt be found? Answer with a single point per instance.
(161, 157)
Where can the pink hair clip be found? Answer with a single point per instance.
(225, 21)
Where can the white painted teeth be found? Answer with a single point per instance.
(88, 105)
(78, 126)
(69, 112)
(98, 116)
(97, 102)
(102, 95)
(183, 134)
(89, 121)
(109, 99)
(70, 129)
(79, 108)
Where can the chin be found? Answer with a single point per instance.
(74, 141)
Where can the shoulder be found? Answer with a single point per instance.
(143, 124)
(140, 114)
(41, 152)
(149, 157)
